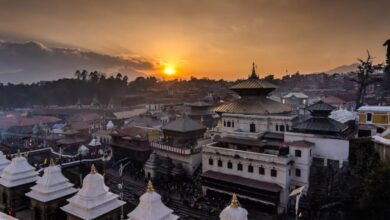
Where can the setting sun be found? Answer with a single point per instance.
(169, 70)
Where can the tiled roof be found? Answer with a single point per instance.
(273, 187)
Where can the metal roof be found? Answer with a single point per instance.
(258, 105)
(184, 124)
(320, 106)
(321, 124)
(253, 84)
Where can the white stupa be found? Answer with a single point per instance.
(93, 199)
(83, 150)
(18, 172)
(234, 211)
(52, 185)
(94, 142)
(3, 162)
(110, 125)
(151, 207)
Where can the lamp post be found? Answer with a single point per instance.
(297, 193)
(120, 187)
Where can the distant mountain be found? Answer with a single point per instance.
(343, 69)
(33, 61)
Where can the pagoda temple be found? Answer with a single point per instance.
(4, 162)
(181, 143)
(151, 207)
(15, 181)
(93, 201)
(49, 194)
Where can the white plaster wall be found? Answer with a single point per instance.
(324, 146)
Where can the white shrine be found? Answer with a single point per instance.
(50, 193)
(151, 207)
(15, 181)
(234, 211)
(93, 201)
(3, 162)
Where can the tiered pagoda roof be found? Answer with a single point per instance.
(253, 92)
(320, 122)
(4, 162)
(234, 211)
(18, 172)
(93, 199)
(153, 162)
(151, 207)
(52, 185)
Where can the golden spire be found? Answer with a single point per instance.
(93, 169)
(150, 188)
(52, 164)
(234, 203)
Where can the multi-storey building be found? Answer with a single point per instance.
(375, 121)
(260, 150)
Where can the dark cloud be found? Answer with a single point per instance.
(33, 61)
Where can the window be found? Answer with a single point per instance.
(298, 153)
(230, 165)
(252, 127)
(281, 127)
(276, 127)
(287, 128)
(211, 161)
(274, 173)
(369, 116)
(229, 124)
(220, 163)
(250, 168)
(297, 172)
(233, 124)
(224, 123)
(261, 170)
(289, 172)
(239, 167)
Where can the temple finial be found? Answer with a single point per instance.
(150, 188)
(93, 169)
(52, 164)
(234, 203)
(253, 75)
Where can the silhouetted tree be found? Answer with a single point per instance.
(364, 78)
(77, 74)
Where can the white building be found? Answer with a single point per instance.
(93, 201)
(263, 152)
(150, 207)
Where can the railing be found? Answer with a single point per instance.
(177, 150)
(269, 158)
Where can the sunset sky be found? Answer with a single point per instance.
(212, 38)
